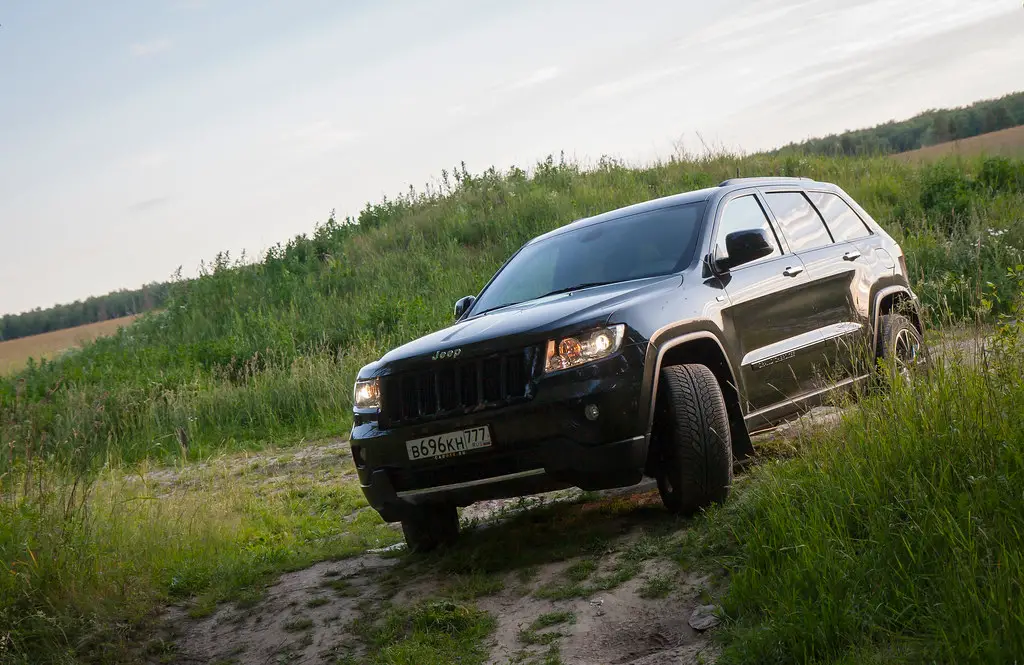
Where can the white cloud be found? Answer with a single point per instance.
(536, 78)
(322, 134)
(636, 82)
(152, 47)
(150, 160)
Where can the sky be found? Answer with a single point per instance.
(140, 137)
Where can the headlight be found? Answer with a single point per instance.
(581, 349)
(366, 394)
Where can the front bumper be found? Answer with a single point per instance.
(563, 464)
(543, 444)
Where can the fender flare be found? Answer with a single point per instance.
(877, 306)
(651, 383)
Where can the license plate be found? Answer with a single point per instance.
(449, 443)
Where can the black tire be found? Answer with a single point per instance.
(900, 347)
(430, 526)
(692, 439)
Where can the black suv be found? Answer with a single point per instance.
(649, 340)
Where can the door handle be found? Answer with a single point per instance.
(792, 271)
(852, 255)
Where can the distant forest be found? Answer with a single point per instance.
(928, 128)
(91, 310)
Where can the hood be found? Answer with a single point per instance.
(528, 323)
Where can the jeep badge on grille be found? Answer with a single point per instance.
(450, 353)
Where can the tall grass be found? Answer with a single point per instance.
(899, 536)
(83, 561)
(257, 351)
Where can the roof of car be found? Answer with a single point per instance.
(678, 199)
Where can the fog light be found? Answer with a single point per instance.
(591, 411)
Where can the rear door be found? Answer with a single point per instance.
(867, 251)
(832, 272)
(762, 317)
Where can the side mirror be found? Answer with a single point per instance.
(743, 247)
(462, 306)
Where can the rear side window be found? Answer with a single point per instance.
(800, 223)
(743, 214)
(842, 221)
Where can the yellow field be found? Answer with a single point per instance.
(1006, 142)
(16, 352)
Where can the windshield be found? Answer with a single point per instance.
(647, 244)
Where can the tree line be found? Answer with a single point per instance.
(928, 128)
(113, 305)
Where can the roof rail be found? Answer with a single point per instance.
(766, 179)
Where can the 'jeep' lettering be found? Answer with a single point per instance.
(450, 353)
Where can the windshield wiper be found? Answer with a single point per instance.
(575, 287)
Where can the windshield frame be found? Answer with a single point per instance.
(685, 263)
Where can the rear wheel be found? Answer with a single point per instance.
(900, 347)
(431, 525)
(691, 439)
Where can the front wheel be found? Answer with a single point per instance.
(691, 439)
(429, 526)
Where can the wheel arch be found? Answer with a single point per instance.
(897, 299)
(703, 348)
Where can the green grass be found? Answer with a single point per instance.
(580, 570)
(85, 564)
(657, 586)
(434, 632)
(556, 618)
(898, 537)
(533, 636)
(475, 585)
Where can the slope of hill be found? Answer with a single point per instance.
(931, 127)
(268, 351)
(1006, 142)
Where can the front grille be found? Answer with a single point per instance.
(455, 387)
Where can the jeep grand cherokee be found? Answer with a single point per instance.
(649, 340)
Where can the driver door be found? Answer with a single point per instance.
(764, 316)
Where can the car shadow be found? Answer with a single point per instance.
(585, 526)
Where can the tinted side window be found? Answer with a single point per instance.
(842, 221)
(743, 214)
(800, 224)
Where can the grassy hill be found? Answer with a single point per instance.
(895, 538)
(249, 354)
(932, 127)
